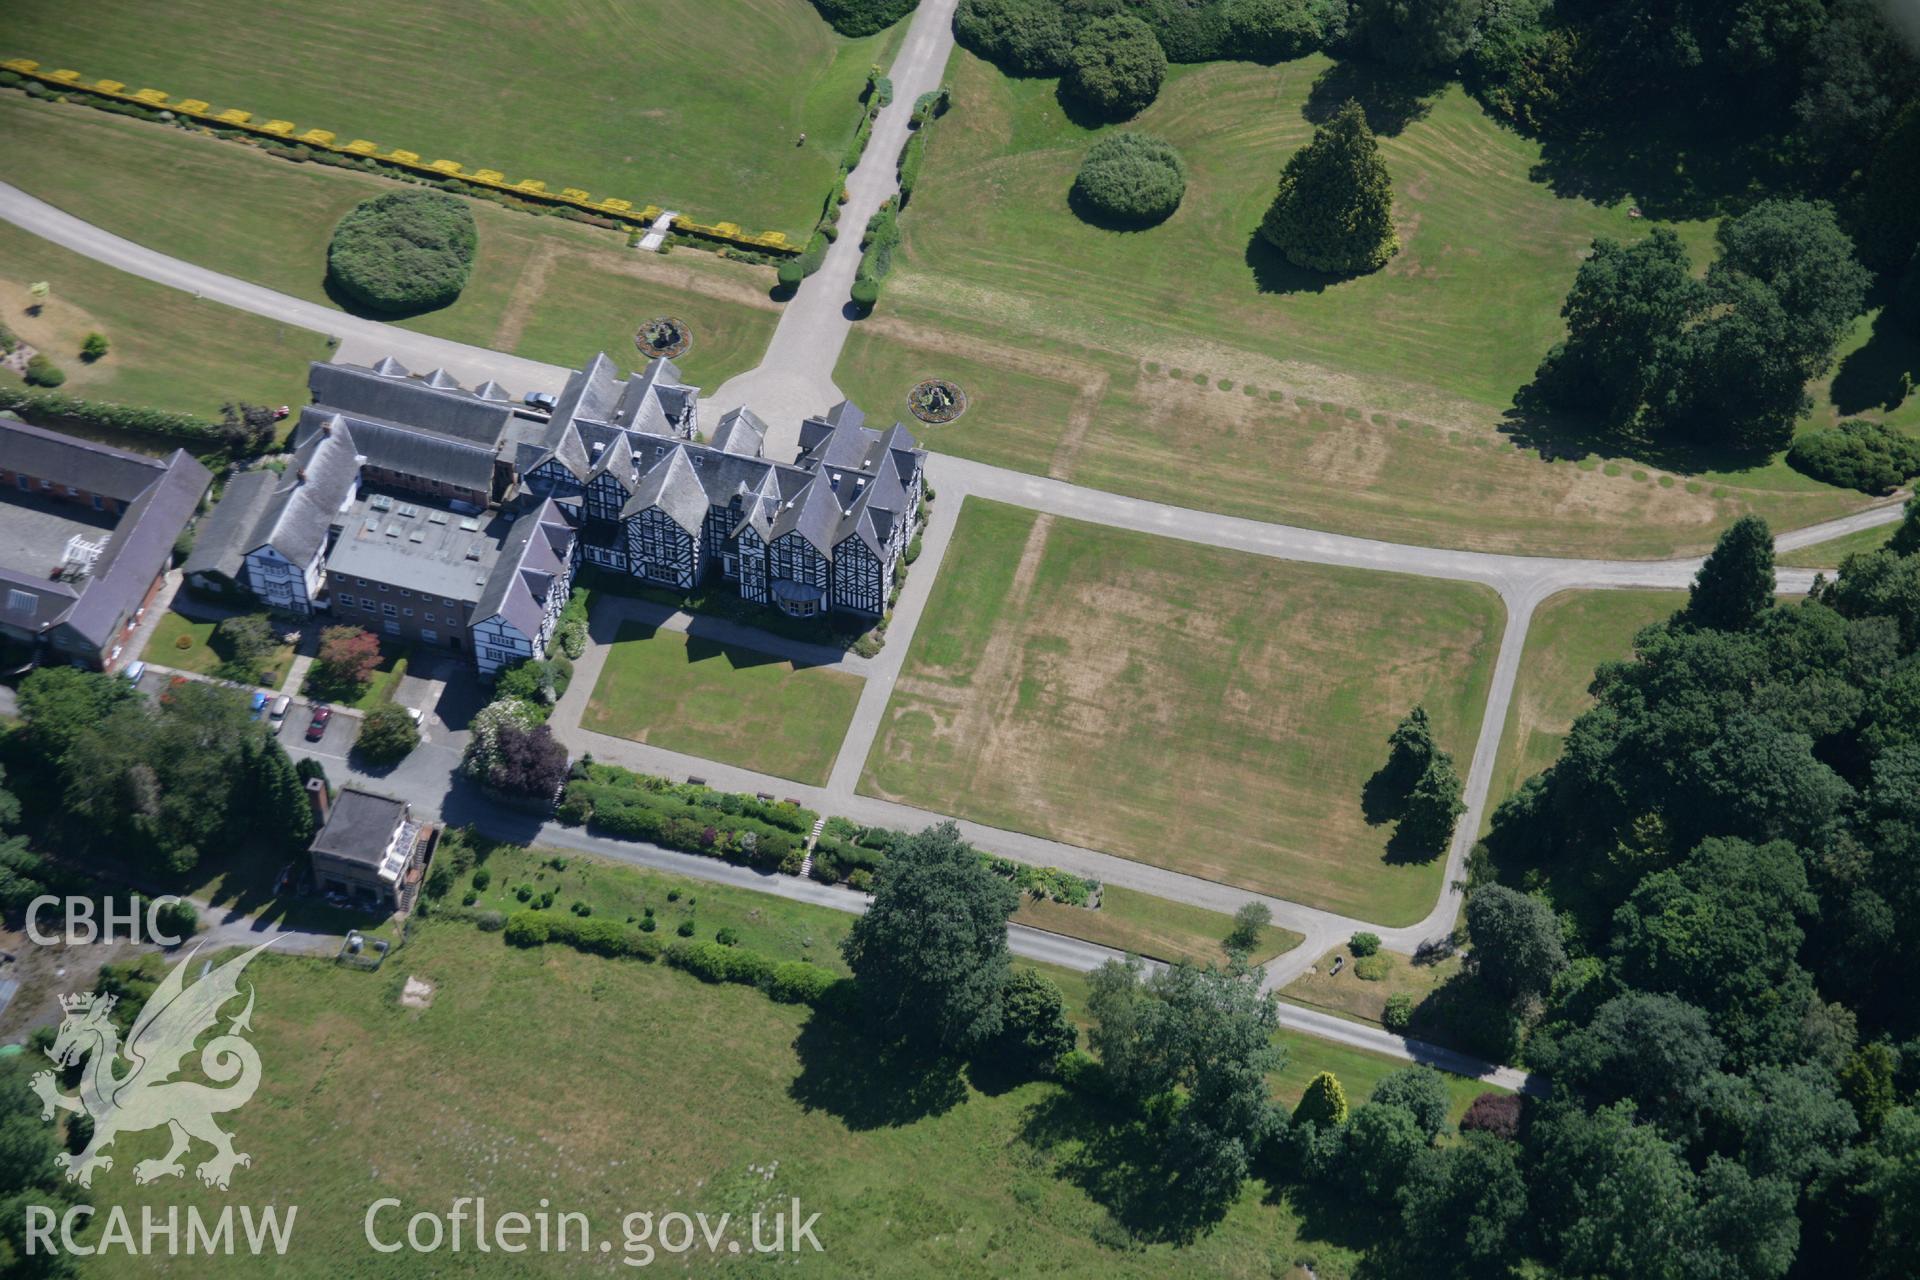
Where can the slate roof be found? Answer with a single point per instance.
(537, 549)
(436, 403)
(616, 459)
(95, 468)
(815, 515)
(672, 486)
(141, 542)
(741, 432)
(226, 535)
(307, 498)
(360, 826)
(569, 451)
(393, 446)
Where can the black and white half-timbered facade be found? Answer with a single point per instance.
(433, 514)
(821, 534)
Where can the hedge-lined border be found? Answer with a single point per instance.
(285, 131)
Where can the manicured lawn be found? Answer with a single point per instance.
(1348, 994)
(691, 105)
(1144, 925)
(202, 653)
(1210, 711)
(378, 688)
(541, 287)
(1829, 554)
(1149, 362)
(723, 703)
(612, 1086)
(1572, 633)
(168, 349)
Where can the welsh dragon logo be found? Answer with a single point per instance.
(143, 1095)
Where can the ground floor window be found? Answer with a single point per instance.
(429, 635)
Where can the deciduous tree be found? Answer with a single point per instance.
(930, 954)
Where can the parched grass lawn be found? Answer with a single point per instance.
(692, 105)
(614, 1086)
(1143, 925)
(723, 703)
(1829, 554)
(1177, 362)
(202, 655)
(1349, 995)
(541, 287)
(1571, 634)
(167, 349)
(1210, 711)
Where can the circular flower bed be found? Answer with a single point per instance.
(936, 401)
(663, 336)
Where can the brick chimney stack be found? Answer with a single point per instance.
(318, 798)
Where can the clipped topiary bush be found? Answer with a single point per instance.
(42, 372)
(1116, 66)
(1869, 456)
(1134, 179)
(405, 251)
(862, 17)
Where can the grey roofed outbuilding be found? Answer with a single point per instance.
(440, 406)
(141, 548)
(159, 496)
(91, 467)
(672, 486)
(391, 446)
(360, 826)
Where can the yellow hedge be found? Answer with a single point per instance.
(531, 188)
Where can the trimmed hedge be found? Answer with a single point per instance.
(1869, 456)
(863, 17)
(113, 417)
(596, 936)
(1135, 179)
(403, 251)
(908, 169)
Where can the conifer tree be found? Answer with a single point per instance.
(1334, 209)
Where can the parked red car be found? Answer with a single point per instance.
(317, 728)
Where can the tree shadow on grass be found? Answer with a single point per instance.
(866, 1085)
(1677, 165)
(1559, 436)
(1118, 1159)
(1880, 374)
(354, 307)
(1272, 273)
(1094, 216)
(1391, 97)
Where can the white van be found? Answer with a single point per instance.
(278, 715)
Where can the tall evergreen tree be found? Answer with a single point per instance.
(281, 797)
(1735, 584)
(1410, 749)
(1334, 209)
(930, 954)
